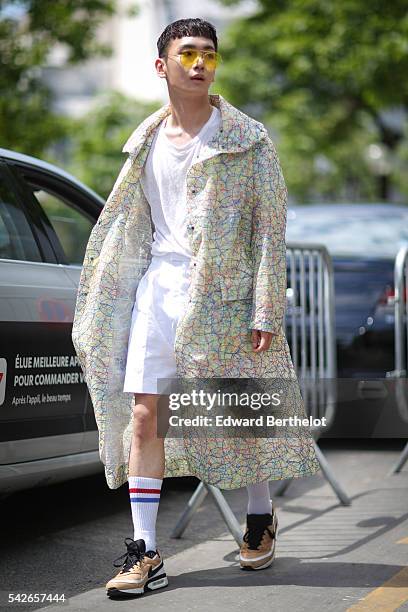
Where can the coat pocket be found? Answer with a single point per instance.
(236, 286)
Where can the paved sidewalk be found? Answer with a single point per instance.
(329, 557)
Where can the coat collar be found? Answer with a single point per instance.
(237, 131)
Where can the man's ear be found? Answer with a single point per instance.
(160, 67)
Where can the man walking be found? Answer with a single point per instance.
(185, 276)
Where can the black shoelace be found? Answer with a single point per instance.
(132, 556)
(253, 536)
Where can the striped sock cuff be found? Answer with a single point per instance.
(144, 490)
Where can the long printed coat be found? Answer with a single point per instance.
(236, 207)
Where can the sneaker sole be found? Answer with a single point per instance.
(270, 561)
(156, 582)
(253, 569)
(263, 566)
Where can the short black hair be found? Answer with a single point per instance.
(186, 27)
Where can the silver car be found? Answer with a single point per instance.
(47, 427)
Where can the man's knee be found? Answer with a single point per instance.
(145, 416)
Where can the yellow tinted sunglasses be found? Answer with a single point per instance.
(188, 57)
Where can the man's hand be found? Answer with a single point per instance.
(261, 340)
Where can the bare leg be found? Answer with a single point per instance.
(147, 450)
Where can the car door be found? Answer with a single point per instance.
(44, 396)
(68, 214)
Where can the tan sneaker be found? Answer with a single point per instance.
(141, 571)
(258, 548)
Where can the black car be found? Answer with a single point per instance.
(363, 241)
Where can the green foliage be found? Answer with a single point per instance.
(28, 31)
(97, 139)
(321, 75)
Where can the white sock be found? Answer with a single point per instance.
(259, 498)
(144, 496)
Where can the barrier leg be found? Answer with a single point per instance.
(401, 461)
(226, 513)
(283, 485)
(193, 503)
(328, 473)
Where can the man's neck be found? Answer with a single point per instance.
(187, 116)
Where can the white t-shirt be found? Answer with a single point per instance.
(164, 185)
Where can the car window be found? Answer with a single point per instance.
(16, 237)
(71, 226)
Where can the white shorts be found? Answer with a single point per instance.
(160, 299)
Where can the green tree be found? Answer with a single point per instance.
(97, 139)
(328, 77)
(29, 29)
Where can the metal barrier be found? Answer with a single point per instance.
(309, 320)
(310, 326)
(401, 342)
